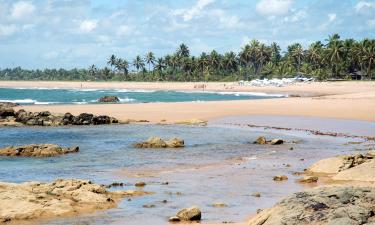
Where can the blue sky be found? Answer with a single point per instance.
(78, 33)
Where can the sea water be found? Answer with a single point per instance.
(218, 164)
(86, 96)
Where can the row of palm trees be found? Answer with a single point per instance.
(336, 59)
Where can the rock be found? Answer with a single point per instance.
(219, 205)
(327, 205)
(190, 214)
(149, 206)
(34, 150)
(157, 142)
(280, 178)
(174, 219)
(6, 111)
(63, 197)
(8, 104)
(260, 141)
(276, 142)
(175, 143)
(192, 122)
(140, 184)
(109, 99)
(308, 179)
(256, 194)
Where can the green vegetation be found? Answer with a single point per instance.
(334, 59)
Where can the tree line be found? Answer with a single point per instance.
(334, 58)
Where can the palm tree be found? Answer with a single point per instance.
(150, 59)
(230, 61)
(296, 53)
(263, 56)
(203, 62)
(112, 61)
(275, 53)
(183, 51)
(138, 63)
(122, 65)
(334, 53)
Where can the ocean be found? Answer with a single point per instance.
(47, 96)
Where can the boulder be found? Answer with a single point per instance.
(6, 111)
(190, 214)
(157, 142)
(8, 104)
(280, 178)
(109, 99)
(260, 141)
(327, 205)
(140, 184)
(42, 150)
(276, 142)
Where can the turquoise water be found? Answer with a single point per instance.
(86, 96)
(218, 164)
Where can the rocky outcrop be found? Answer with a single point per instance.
(35, 200)
(328, 205)
(9, 117)
(347, 168)
(188, 214)
(262, 141)
(198, 122)
(157, 142)
(43, 150)
(109, 99)
(280, 178)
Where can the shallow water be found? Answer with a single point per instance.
(85, 96)
(217, 165)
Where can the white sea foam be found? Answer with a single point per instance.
(126, 100)
(20, 101)
(134, 90)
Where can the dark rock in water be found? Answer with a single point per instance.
(327, 205)
(276, 142)
(280, 178)
(42, 150)
(97, 120)
(190, 214)
(109, 99)
(140, 184)
(83, 119)
(6, 111)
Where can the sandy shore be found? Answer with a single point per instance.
(343, 100)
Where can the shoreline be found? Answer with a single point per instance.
(353, 100)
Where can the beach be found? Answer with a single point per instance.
(219, 164)
(317, 99)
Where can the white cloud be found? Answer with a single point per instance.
(298, 16)
(87, 26)
(332, 17)
(189, 14)
(273, 7)
(361, 5)
(7, 30)
(123, 30)
(22, 9)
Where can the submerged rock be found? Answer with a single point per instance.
(109, 99)
(35, 200)
(280, 178)
(308, 179)
(276, 142)
(262, 141)
(34, 150)
(157, 142)
(328, 205)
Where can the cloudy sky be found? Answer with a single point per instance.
(78, 33)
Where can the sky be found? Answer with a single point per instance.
(38, 34)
